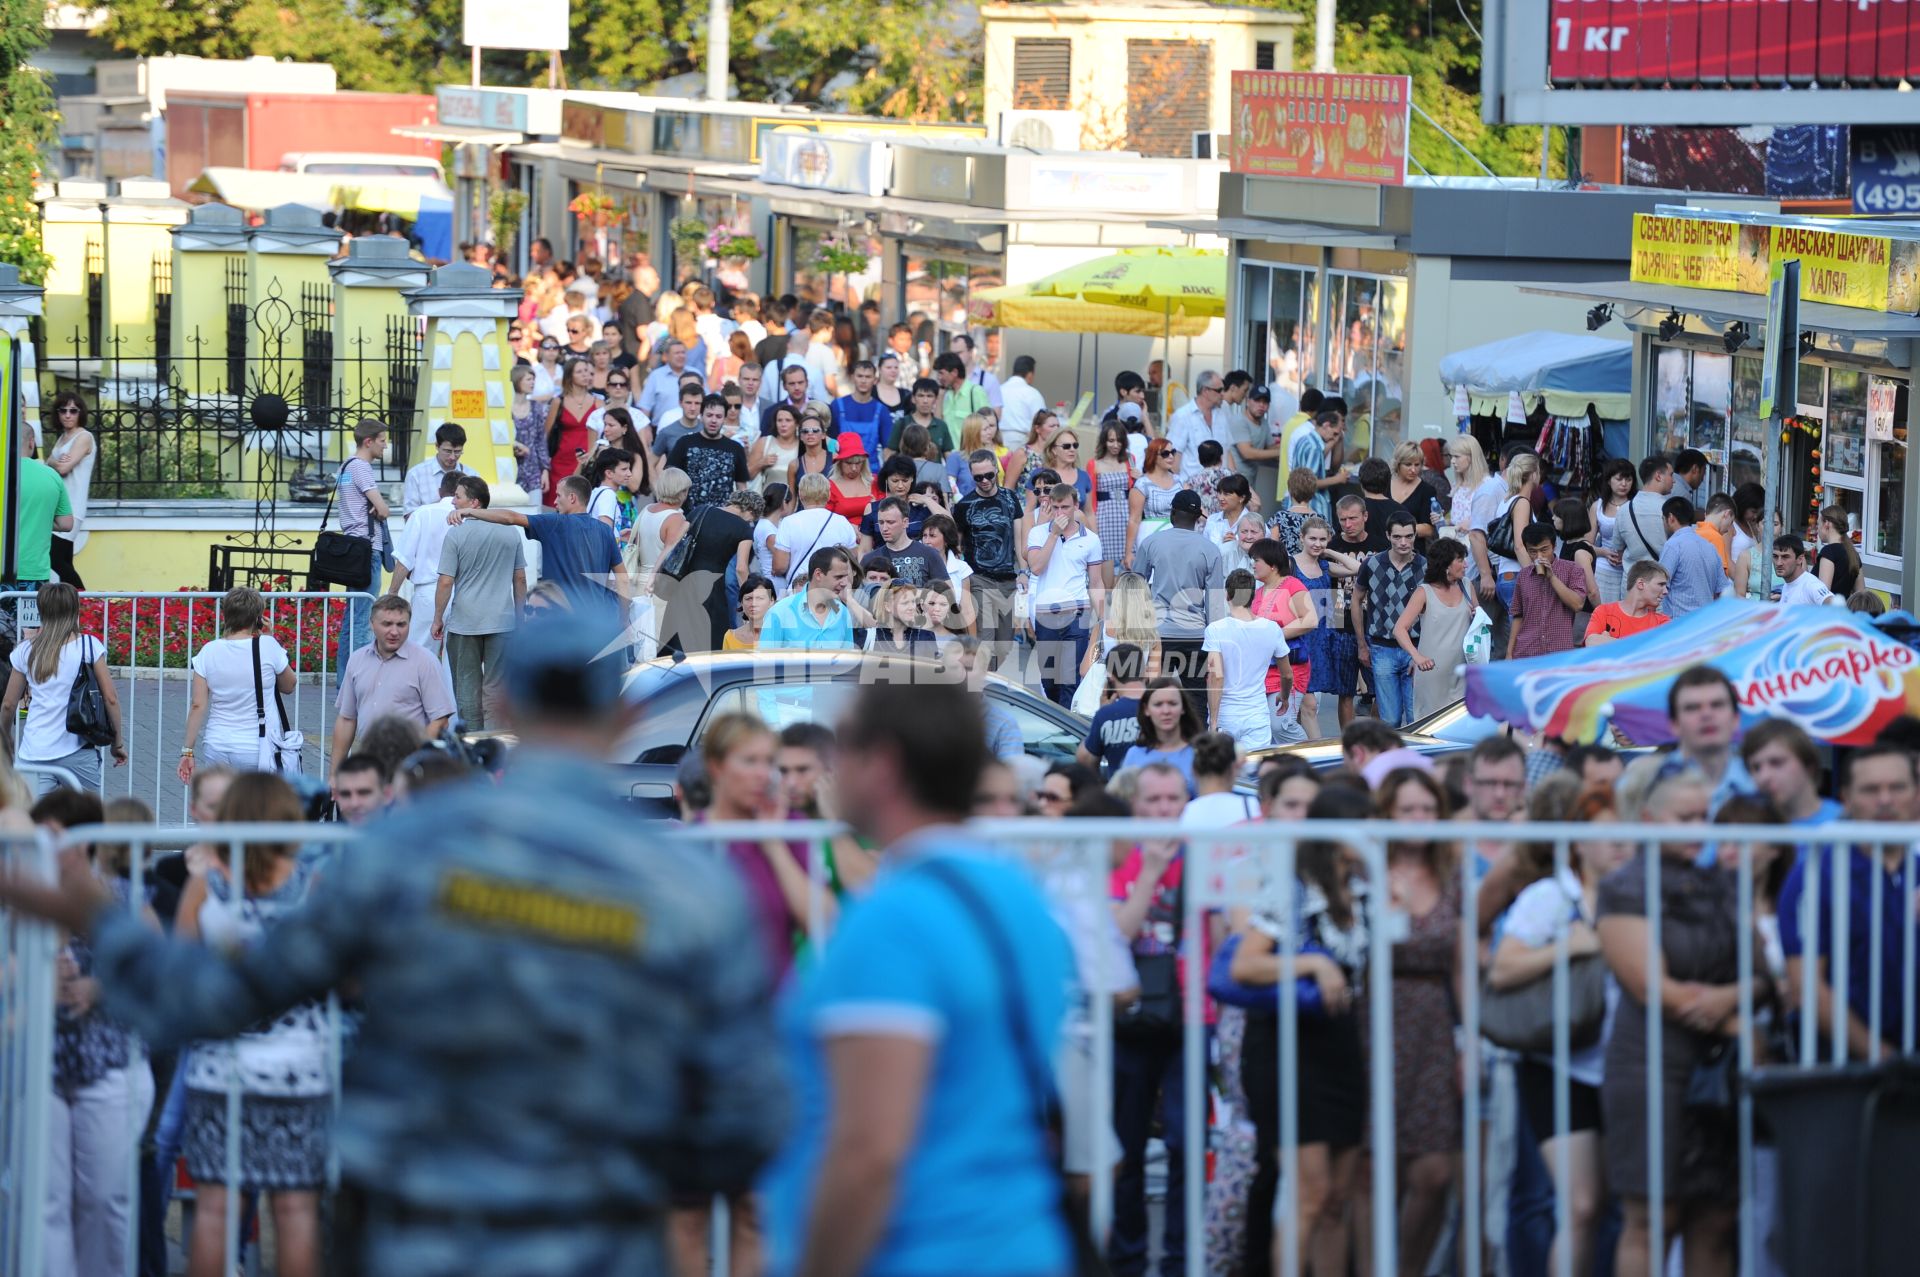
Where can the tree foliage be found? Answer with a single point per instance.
(1435, 44)
(28, 124)
(909, 59)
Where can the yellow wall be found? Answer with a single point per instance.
(138, 558)
(468, 358)
(200, 310)
(136, 237)
(68, 228)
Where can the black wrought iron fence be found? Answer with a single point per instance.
(175, 418)
(162, 311)
(96, 295)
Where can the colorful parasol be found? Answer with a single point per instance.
(1833, 672)
(1016, 306)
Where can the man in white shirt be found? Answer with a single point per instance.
(979, 374)
(811, 527)
(422, 486)
(416, 553)
(748, 379)
(1797, 585)
(1064, 557)
(1021, 402)
(1201, 418)
(773, 379)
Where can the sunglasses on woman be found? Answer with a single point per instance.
(613, 382)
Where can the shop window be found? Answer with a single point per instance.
(1169, 95)
(844, 290)
(1709, 404)
(1366, 345)
(1887, 441)
(1846, 450)
(1748, 435)
(1670, 399)
(936, 296)
(1043, 75)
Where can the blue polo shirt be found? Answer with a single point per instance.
(790, 623)
(977, 1194)
(1896, 895)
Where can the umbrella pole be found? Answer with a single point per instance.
(1096, 366)
(1079, 359)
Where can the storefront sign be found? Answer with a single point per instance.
(1104, 186)
(600, 127)
(481, 108)
(823, 163)
(1836, 268)
(471, 404)
(1692, 252)
(1881, 397)
(1340, 128)
(1720, 44)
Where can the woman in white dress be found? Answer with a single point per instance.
(72, 456)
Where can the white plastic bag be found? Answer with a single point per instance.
(1479, 643)
(1086, 697)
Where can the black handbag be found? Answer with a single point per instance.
(1156, 1013)
(678, 559)
(1087, 1259)
(340, 559)
(87, 715)
(1500, 535)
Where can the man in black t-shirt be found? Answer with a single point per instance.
(988, 518)
(913, 563)
(715, 465)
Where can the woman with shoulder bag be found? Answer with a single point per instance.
(1539, 915)
(226, 673)
(45, 669)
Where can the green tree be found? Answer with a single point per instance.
(911, 60)
(1437, 46)
(28, 125)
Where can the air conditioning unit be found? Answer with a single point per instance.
(1041, 130)
(1210, 146)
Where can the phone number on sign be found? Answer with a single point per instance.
(1887, 197)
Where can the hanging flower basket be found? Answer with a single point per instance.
(689, 236)
(838, 259)
(596, 209)
(726, 244)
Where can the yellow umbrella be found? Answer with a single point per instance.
(1148, 281)
(1015, 306)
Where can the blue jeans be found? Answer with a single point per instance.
(1392, 683)
(1059, 644)
(357, 628)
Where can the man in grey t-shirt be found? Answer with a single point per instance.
(483, 575)
(1188, 580)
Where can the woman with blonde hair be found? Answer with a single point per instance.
(1409, 490)
(1469, 472)
(658, 527)
(979, 430)
(1131, 618)
(45, 666)
(684, 327)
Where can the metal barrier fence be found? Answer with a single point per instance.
(1246, 867)
(151, 636)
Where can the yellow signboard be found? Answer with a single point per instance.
(1835, 267)
(1865, 272)
(469, 404)
(1690, 252)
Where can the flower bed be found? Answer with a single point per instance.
(163, 633)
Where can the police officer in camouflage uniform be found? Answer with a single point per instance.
(564, 1025)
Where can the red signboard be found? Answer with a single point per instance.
(1338, 128)
(1732, 43)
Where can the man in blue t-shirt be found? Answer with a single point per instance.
(1881, 785)
(1116, 727)
(861, 413)
(577, 551)
(920, 1040)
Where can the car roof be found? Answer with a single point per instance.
(797, 664)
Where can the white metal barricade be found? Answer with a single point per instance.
(150, 638)
(1242, 867)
